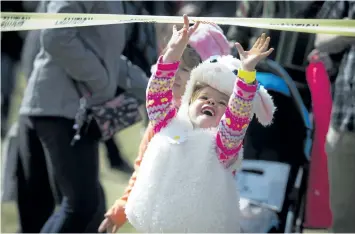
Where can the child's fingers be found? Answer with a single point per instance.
(186, 21)
(256, 44)
(114, 229)
(240, 49)
(262, 40)
(103, 225)
(184, 32)
(174, 29)
(110, 227)
(265, 45)
(196, 25)
(267, 53)
(193, 28)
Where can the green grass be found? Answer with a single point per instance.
(113, 182)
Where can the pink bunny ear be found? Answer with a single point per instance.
(263, 106)
(208, 40)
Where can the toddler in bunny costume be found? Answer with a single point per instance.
(185, 181)
(206, 41)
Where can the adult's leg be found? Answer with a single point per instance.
(115, 158)
(76, 170)
(35, 200)
(113, 153)
(341, 166)
(7, 84)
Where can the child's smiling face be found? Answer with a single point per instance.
(207, 107)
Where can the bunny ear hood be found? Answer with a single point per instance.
(263, 106)
(209, 40)
(220, 73)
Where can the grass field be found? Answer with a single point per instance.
(113, 182)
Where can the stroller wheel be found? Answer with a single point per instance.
(295, 218)
(289, 221)
(300, 217)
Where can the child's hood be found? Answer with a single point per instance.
(219, 72)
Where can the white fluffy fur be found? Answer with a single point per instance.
(263, 107)
(183, 188)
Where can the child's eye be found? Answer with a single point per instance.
(203, 97)
(223, 103)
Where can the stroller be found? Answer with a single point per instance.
(274, 173)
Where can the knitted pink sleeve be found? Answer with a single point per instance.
(159, 100)
(234, 123)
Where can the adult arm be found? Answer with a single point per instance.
(332, 44)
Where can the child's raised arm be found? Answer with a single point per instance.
(236, 119)
(159, 101)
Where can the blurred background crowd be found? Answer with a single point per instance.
(30, 186)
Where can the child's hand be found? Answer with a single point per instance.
(108, 226)
(178, 41)
(257, 53)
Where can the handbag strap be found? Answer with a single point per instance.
(80, 93)
(81, 116)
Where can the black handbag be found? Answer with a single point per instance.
(110, 117)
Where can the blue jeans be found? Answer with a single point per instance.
(76, 171)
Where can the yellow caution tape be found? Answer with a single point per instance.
(13, 21)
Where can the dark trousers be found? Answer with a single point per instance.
(8, 80)
(113, 153)
(45, 144)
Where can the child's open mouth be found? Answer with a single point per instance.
(208, 111)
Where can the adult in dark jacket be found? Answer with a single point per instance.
(89, 55)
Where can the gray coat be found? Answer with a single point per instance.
(90, 55)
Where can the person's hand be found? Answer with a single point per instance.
(178, 41)
(314, 56)
(317, 56)
(258, 52)
(107, 225)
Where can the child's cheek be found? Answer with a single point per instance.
(223, 109)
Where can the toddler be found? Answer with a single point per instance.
(207, 40)
(185, 182)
